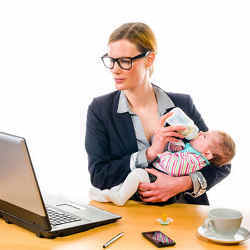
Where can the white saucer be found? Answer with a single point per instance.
(241, 235)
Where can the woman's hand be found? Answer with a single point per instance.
(162, 136)
(164, 187)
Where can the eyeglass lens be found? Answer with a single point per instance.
(124, 63)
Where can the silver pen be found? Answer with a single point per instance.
(113, 239)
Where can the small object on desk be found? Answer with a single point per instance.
(159, 239)
(165, 220)
(113, 239)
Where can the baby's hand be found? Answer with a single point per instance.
(176, 146)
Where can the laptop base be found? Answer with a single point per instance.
(51, 234)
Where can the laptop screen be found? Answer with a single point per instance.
(17, 181)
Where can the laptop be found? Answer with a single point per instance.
(22, 203)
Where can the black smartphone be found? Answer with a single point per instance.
(159, 239)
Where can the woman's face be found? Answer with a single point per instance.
(127, 79)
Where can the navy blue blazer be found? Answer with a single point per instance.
(110, 140)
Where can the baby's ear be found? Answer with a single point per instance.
(208, 154)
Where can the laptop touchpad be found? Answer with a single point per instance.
(68, 207)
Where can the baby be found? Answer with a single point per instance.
(214, 147)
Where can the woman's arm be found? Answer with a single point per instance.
(162, 136)
(105, 170)
(166, 187)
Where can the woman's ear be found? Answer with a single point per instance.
(149, 60)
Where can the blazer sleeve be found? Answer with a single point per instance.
(105, 170)
(211, 173)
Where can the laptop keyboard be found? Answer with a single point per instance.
(57, 217)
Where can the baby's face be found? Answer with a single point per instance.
(204, 141)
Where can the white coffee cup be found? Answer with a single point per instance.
(223, 221)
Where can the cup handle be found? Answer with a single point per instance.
(248, 236)
(208, 224)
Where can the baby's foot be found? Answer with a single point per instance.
(97, 195)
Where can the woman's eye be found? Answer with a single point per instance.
(124, 61)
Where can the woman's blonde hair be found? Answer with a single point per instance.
(140, 34)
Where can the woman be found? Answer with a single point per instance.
(120, 125)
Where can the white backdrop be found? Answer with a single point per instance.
(50, 70)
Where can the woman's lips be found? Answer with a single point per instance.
(119, 80)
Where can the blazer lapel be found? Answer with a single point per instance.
(126, 131)
(124, 127)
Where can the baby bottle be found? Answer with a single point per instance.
(180, 118)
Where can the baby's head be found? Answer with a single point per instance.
(218, 147)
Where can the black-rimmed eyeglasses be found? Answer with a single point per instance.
(123, 62)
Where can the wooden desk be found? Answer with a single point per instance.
(136, 219)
